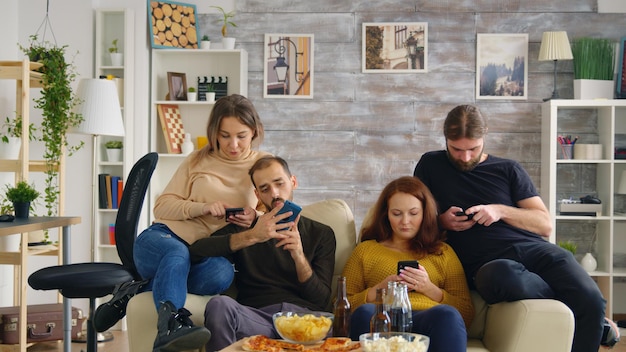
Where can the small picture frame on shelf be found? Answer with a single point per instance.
(621, 73)
(177, 84)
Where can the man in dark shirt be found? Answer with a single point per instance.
(278, 267)
(497, 224)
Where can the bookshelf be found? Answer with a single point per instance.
(194, 63)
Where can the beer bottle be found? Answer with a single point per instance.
(380, 321)
(341, 310)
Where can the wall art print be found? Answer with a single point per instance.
(288, 66)
(172, 25)
(502, 66)
(395, 47)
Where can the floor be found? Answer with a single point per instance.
(119, 344)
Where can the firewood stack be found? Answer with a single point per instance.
(174, 25)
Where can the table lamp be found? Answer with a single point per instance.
(555, 46)
(100, 107)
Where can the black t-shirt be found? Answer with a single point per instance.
(494, 181)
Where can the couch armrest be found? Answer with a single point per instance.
(529, 325)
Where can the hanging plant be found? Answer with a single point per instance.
(56, 102)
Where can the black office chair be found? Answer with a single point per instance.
(94, 280)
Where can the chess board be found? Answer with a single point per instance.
(172, 126)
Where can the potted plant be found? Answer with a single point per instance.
(594, 62)
(117, 58)
(225, 21)
(205, 42)
(114, 150)
(192, 95)
(21, 195)
(210, 93)
(10, 137)
(56, 101)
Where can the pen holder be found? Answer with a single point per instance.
(567, 151)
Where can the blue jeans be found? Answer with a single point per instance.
(443, 324)
(544, 270)
(164, 258)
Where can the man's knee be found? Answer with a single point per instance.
(217, 308)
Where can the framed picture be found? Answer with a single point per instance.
(395, 47)
(172, 25)
(288, 66)
(172, 127)
(502, 66)
(621, 72)
(177, 84)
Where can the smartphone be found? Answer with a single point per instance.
(462, 213)
(292, 207)
(407, 263)
(233, 211)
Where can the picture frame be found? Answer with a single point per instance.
(172, 25)
(177, 86)
(394, 47)
(621, 71)
(288, 66)
(502, 66)
(172, 127)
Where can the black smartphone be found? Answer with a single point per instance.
(233, 211)
(461, 213)
(292, 207)
(407, 263)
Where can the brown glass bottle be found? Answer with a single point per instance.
(341, 310)
(380, 321)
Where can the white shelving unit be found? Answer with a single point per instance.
(111, 24)
(194, 63)
(594, 122)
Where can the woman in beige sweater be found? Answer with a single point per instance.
(192, 206)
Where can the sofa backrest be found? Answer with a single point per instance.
(337, 214)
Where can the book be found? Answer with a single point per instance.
(102, 191)
(114, 194)
(120, 190)
(107, 179)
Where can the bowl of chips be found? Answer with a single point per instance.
(303, 327)
(394, 341)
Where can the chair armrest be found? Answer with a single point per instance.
(529, 325)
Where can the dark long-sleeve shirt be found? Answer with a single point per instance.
(267, 275)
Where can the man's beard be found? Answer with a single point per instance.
(274, 200)
(465, 166)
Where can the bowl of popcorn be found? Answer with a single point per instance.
(394, 342)
(303, 327)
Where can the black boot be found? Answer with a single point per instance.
(108, 314)
(176, 331)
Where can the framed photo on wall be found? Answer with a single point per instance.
(172, 25)
(177, 84)
(621, 71)
(502, 66)
(288, 66)
(395, 47)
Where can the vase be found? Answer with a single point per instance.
(117, 59)
(593, 89)
(210, 97)
(114, 154)
(11, 150)
(192, 96)
(21, 209)
(205, 44)
(588, 262)
(228, 43)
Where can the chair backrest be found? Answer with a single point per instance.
(129, 210)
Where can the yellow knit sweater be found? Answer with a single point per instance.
(370, 263)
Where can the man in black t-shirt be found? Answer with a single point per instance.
(498, 226)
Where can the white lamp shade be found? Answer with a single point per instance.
(621, 188)
(100, 108)
(555, 46)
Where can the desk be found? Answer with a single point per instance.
(23, 226)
